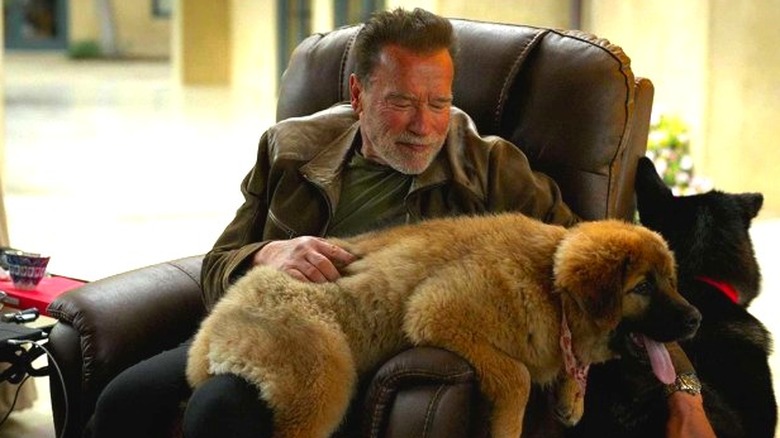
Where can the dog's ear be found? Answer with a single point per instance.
(652, 195)
(750, 203)
(590, 267)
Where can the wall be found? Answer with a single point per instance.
(548, 13)
(254, 48)
(202, 45)
(744, 98)
(138, 32)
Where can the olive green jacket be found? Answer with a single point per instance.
(293, 189)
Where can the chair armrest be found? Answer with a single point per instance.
(424, 391)
(107, 325)
(432, 392)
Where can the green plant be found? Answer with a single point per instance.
(668, 146)
(86, 49)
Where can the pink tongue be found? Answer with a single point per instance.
(659, 360)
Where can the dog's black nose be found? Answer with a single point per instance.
(692, 320)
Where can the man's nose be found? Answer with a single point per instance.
(422, 121)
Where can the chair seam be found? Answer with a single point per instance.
(185, 272)
(430, 412)
(375, 422)
(512, 74)
(343, 65)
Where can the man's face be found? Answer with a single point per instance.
(404, 110)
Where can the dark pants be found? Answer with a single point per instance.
(146, 400)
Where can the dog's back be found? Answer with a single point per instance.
(392, 264)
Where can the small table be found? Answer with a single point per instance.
(47, 291)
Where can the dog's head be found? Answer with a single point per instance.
(622, 277)
(708, 232)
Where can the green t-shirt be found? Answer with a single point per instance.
(372, 197)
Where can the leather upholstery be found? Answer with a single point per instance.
(568, 99)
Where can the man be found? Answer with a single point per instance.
(399, 152)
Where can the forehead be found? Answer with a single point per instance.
(407, 68)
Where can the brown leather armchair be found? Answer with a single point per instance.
(568, 99)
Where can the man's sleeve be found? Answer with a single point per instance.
(514, 186)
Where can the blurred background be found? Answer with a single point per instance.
(129, 125)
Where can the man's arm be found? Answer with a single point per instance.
(687, 418)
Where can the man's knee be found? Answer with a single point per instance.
(227, 405)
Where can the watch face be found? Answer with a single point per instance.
(690, 383)
(685, 382)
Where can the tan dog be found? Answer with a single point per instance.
(501, 291)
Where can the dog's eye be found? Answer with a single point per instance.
(644, 288)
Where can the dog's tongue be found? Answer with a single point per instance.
(659, 360)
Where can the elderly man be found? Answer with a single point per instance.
(398, 153)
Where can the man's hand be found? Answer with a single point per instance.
(306, 258)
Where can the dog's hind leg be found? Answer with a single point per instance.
(311, 388)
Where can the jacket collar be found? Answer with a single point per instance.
(324, 170)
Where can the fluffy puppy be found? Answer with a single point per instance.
(523, 302)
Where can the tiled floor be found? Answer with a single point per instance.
(110, 167)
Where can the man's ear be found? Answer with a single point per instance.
(355, 91)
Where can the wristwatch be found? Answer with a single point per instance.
(686, 382)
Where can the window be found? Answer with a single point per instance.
(162, 8)
(35, 24)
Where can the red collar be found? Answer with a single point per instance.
(726, 288)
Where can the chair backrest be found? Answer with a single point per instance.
(569, 100)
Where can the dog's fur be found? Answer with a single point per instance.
(492, 289)
(709, 234)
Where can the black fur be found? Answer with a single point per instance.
(709, 236)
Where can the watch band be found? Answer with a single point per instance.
(686, 382)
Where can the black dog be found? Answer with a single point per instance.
(717, 273)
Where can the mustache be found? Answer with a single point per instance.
(408, 137)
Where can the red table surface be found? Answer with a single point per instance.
(47, 291)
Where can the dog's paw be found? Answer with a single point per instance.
(570, 403)
(569, 415)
